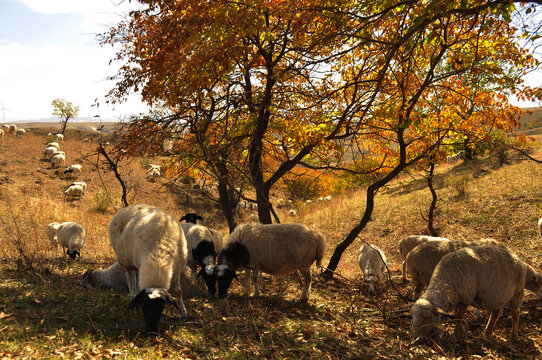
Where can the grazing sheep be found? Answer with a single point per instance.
(241, 206)
(51, 233)
(281, 203)
(410, 242)
(292, 213)
(423, 259)
(1, 134)
(191, 218)
(153, 174)
(320, 199)
(328, 198)
(20, 133)
(58, 160)
(275, 249)
(74, 192)
(53, 144)
(114, 277)
(202, 244)
(71, 236)
(488, 277)
(151, 247)
(73, 170)
(5, 127)
(372, 262)
(82, 183)
(12, 129)
(59, 137)
(49, 152)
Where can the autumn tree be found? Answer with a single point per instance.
(64, 110)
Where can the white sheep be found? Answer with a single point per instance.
(59, 137)
(20, 133)
(423, 259)
(410, 242)
(275, 249)
(153, 174)
(540, 227)
(74, 192)
(114, 277)
(281, 203)
(372, 262)
(51, 233)
(82, 183)
(1, 134)
(49, 152)
(58, 160)
(151, 247)
(53, 144)
(71, 236)
(488, 277)
(12, 128)
(292, 213)
(328, 198)
(73, 170)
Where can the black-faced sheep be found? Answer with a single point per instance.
(58, 160)
(423, 259)
(191, 218)
(410, 242)
(73, 170)
(71, 236)
(151, 247)
(275, 249)
(372, 262)
(488, 277)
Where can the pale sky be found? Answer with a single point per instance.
(48, 50)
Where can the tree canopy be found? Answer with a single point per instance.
(65, 110)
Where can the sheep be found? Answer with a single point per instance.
(51, 233)
(292, 213)
(59, 137)
(423, 259)
(73, 170)
(372, 262)
(281, 203)
(202, 245)
(191, 218)
(241, 206)
(58, 160)
(153, 174)
(82, 183)
(328, 198)
(488, 277)
(150, 245)
(410, 242)
(5, 127)
(1, 134)
(71, 236)
(540, 227)
(74, 192)
(320, 199)
(53, 144)
(20, 133)
(12, 129)
(114, 277)
(275, 249)
(49, 152)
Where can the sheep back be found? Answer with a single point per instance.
(71, 236)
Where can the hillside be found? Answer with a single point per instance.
(45, 312)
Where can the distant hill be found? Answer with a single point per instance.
(531, 123)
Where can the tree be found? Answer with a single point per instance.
(65, 110)
(260, 87)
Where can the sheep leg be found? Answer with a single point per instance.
(307, 279)
(131, 276)
(247, 282)
(515, 305)
(418, 288)
(177, 290)
(255, 279)
(492, 321)
(459, 315)
(404, 272)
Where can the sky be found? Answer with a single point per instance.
(48, 50)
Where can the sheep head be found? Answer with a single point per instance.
(224, 276)
(73, 254)
(191, 218)
(209, 276)
(534, 283)
(425, 316)
(152, 301)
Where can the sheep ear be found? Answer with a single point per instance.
(183, 218)
(198, 217)
(137, 300)
(443, 313)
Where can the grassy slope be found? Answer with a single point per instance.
(46, 313)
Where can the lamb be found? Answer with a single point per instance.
(275, 249)
(202, 244)
(74, 192)
(58, 160)
(74, 170)
(372, 262)
(150, 245)
(71, 236)
(51, 233)
(59, 137)
(49, 152)
(488, 277)
(114, 277)
(410, 242)
(423, 259)
(191, 218)
(20, 133)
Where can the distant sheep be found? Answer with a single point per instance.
(153, 174)
(1, 134)
(372, 262)
(81, 183)
(423, 259)
(410, 242)
(59, 137)
(71, 236)
(328, 198)
(54, 144)
(74, 192)
(12, 129)
(275, 249)
(51, 233)
(73, 170)
(488, 277)
(58, 160)
(292, 213)
(151, 247)
(20, 133)
(49, 152)
(191, 218)
(281, 203)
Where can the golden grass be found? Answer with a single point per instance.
(44, 312)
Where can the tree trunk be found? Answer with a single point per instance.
(63, 124)
(226, 204)
(431, 214)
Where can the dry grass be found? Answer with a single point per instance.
(44, 312)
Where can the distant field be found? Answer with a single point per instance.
(531, 124)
